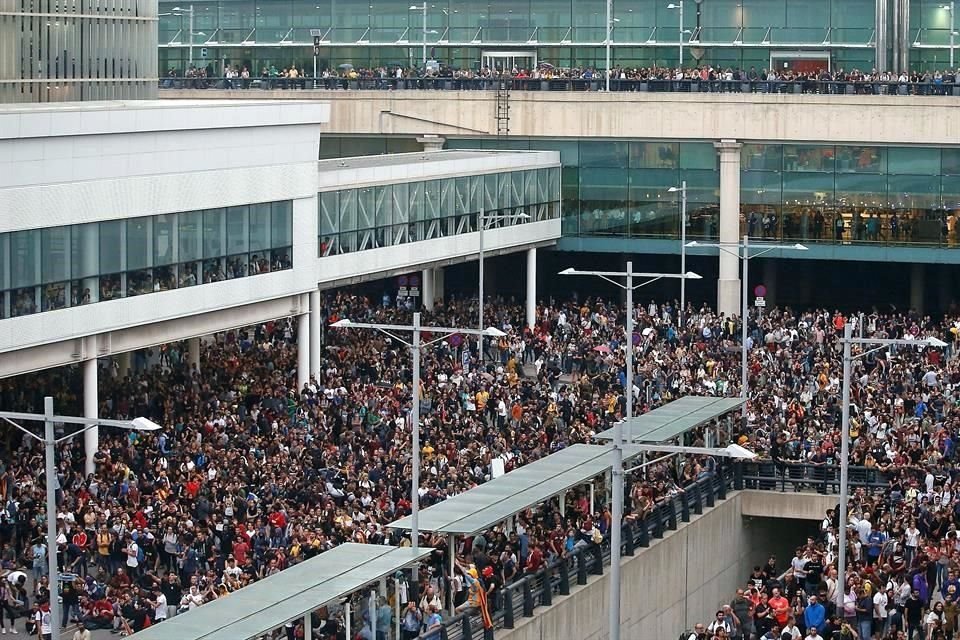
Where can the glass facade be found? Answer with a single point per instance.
(352, 220)
(808, 193)
(470, 34)
(68, 266)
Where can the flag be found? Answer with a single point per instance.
(483, 605)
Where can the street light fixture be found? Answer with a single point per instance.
(415, 346)
(50, 442)
(848, 341)
(953, 29)
(616, 472)
(189, 12)
(482, 221)
(423, 7)
(679, 5)
(745, 257)
(683, 249)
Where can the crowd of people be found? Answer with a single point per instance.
(625, 78)
(251, 474)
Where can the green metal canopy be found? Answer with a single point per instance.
(484, 506)
(673, 419)
(289, 595)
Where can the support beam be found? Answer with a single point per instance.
(303, 350)
(531, 287)
(316, 333)
(728, 286)
(917, 286)
(193, 349)
(123, 364)
(428, 292)
(91, 403)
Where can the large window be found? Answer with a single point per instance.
(370, 217)
(57, 267)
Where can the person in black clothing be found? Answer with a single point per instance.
(913, 609)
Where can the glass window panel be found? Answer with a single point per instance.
(951, 192)
(569, 150)
(281, 225)
(517, 193)
(604, 154)
(191, 233)
(951, 162)
(462, 198)
(384, 206)
(856, 159)
(164, 239)
(652, 184)
(111, 241)
(490, 185)
(702, 185)
(4, 266)
(348, 210)
(604, 196)
(913, 161)
(401, 204)
(698, 155)
(329, 212)
(808, 188)
(365, 208)
(259, 227)
(797, 157)
(85, 250)
(861, 190)
(214, 240)
(654, 155)
(448, 197)
(914, 192)
(415, 201)
(760, 187)
(238, 231)
(531, 194)
(761, 157)
(56, 242)
(431, 199)
(504, 187)
(138, 243)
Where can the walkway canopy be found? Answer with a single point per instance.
(497, 500)
(289, 595)
(673, 419)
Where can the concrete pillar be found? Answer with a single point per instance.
(427, 287)
(439, 291)
(769, 280)
(303, 350)
(728, 286)
(193, 353)
(432, 142)
(123, 364)
(531, 287)
(917, 284)
(91, 404)
(316, 333)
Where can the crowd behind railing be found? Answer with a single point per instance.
(251, 474)
(546, 77)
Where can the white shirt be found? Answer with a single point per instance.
(161, 611)
(43, 619)
(132, 550)
(913, 537)
(880, 605)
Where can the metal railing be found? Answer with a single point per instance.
(522, 597)
(596, 83)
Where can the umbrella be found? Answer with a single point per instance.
(545, 65)
(602, 348)
(346, 66)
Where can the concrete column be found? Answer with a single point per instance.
(531, 287)
(439, 291)
(193, 353)
(728, 286)
(303, 350)
(917, 284)
(91, 403)
(427, 287)
(123, 364)
(769, 275)
(432, 142)
(316, 333)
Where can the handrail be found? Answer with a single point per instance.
(594, 83)
(522, 597)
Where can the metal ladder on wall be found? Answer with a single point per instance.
(503, 107)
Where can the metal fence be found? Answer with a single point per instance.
(824, 87)
(522, 597)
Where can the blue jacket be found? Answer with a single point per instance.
(815, 615)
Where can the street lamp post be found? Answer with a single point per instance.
(423, 8)
(683, 250)
(953, 29)
(616, 469)
(482, 221)
(189, 12)
(848, 341)
(415, 346)
(742, 252)
(50, 442)
(679, 5)
(607, 40)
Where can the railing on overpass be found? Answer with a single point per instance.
(522, 597)
(648, 85)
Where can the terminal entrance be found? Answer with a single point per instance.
(508, 60)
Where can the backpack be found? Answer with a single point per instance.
(686, 634)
